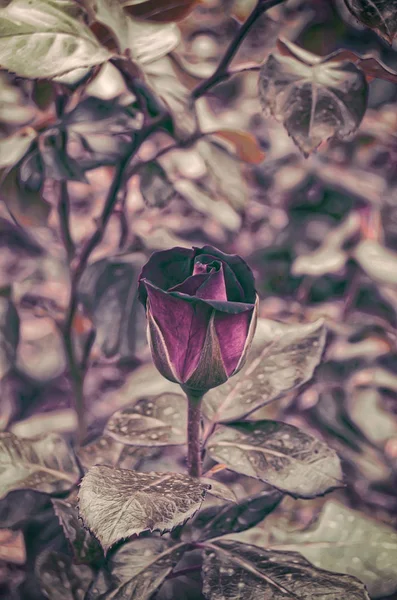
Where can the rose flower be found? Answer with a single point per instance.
(201, 310)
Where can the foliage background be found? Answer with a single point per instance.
(320, 233)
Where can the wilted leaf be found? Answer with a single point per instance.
(346, 541)
(60, 579)
(9, 335)
(233, 571)
(161, 11)
(116, 503)
(232, 518)
(46, 39)
(86, 548)
(107, 451)
(279, 454)
(156, 189)
(108, 291)
(15, 146)
(136, 570)
(245, 144)
(315, 98)
(378, 262)
(380, 15)
(45, 464)
(286, 363)
(152, 421)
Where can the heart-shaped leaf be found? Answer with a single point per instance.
(315, 98)
(60, 579)
(282, 365)
(279, 454)
(346, 541)
(117, 503)
(85, 547)
(380, 15)
(45, 464)
(46, 38)
(152, 421)
(136, 570)
(233, 571)
(232, 518)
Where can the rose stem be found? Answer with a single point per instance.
(194, 433)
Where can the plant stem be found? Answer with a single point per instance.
(194, 433)
(221, 72)
(64, 218)
(77, 371)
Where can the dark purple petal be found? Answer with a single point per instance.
(232, 331)
(166, 269)
(234, 291)
(205, 285)
(183, 326)
(159, 350)
(241, 271)
(210, 371)
(223, 306)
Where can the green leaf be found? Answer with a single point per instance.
(379, 15)
(107, 451)
(15, 146)
(151, 421)
(279, 454)
(219, 490)
(218, 520)
(346, 541)
(86, 548)
(45, 464)
(108, 291)
(117, 503)
(101, 129)
(60, 579)
(314, 97)
(377, 261)
(46, 38)
(111, 14)
(288, 359)
(9, 335)
(136, 570)
(156, 189)
(233, 571)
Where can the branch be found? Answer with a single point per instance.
(222, 71)
(64, 217)
(77, 372)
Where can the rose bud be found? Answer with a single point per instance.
(201, 309)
